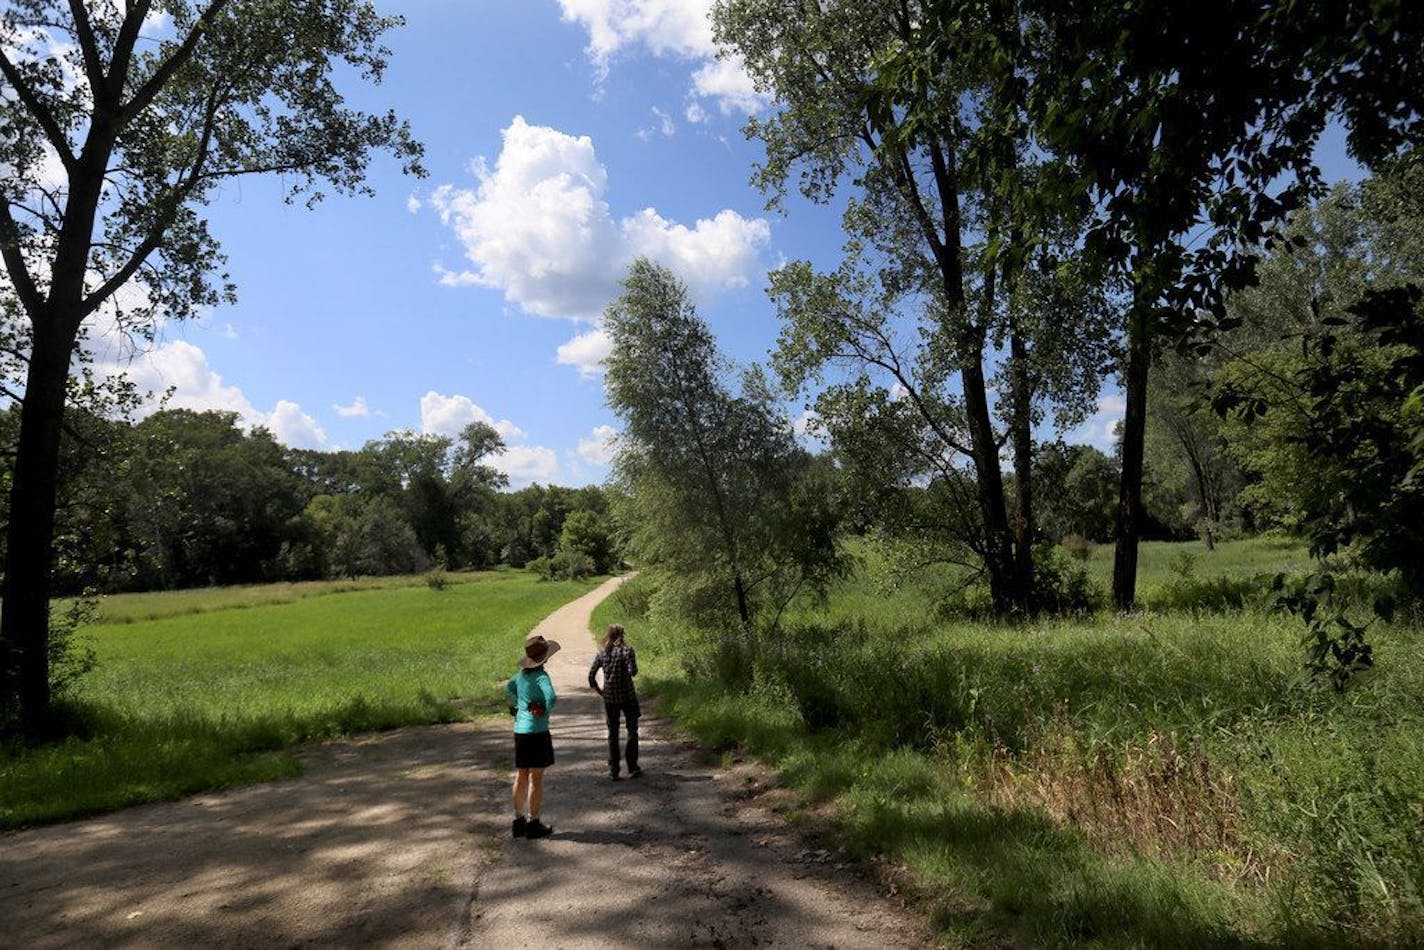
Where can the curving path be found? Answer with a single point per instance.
(402, 839)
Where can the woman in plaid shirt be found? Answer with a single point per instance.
(619, 665)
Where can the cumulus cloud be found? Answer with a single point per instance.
(539, 229)
(1100, 429)
(680, 29)
(357, 409)
(526, 464)
(295, 428)
(183, 368)
(714, 253)
(725, 82)
(448, 415)
(599, 448)
(587, 351)
(177, 376)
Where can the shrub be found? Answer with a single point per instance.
(437, 580)
(634, 598)
(566, 564)
(1061, 585)
(1078, 546)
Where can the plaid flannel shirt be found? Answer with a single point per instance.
(619, 666)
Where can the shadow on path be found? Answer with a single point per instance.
(401, 839)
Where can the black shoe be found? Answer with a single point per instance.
(537, 829)
(635, 772)
(614, 777)
(521, 827)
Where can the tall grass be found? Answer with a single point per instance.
(213, 698)
(1167, 777)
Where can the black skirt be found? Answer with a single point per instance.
(533, 750)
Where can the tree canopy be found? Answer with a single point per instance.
(112, 139)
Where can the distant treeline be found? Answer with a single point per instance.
(187, 499)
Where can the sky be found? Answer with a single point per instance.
(563, 139)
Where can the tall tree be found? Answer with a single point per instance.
(112, 142)
(950, 237)
(718, 485)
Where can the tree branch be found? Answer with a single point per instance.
(123, 51)
(89, 46)
(181, 190)
(15, 266)
(36, 108)
(177, 61)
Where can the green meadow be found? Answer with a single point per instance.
(1163, 778)
(198, 690)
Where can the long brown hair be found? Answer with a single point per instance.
(613, 637)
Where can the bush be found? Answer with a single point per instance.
(566, 564)
(437, 580)
(634, 598)
(1061, 585)
(1078, 546)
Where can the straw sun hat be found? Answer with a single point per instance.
(537, 651)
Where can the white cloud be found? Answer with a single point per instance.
(695, 113)
(156, 23)
(664, 27)
(357, 409)
(725, 82)
(413, 204)
(665, 124)
(448, 415)
(295, 428)
(538, 228)
(177, 376)
(674, 28)
(599, 448)
(184, 368)
(715, 253)
(587, 351)
(1100, 429)
(525, 464)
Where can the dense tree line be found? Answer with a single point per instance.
(183, 499)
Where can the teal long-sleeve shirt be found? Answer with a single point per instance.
(527, 687)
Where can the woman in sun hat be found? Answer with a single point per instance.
(531, 699)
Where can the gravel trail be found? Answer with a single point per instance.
(402, 839)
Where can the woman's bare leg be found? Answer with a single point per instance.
(536, 791)
(521, 789)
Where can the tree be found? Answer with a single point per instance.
(586, 532)
(144, 131)
(1319, 385)
(956, 257)
(1194, 127)
(1184, 449)
(1078, 483)
(714, 483)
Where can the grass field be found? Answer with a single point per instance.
(214, 691)
(1163, 778)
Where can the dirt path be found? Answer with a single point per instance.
(402, 839)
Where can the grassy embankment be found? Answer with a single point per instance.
(207, 689)
(1165, 778)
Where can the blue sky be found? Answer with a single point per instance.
(563, 137)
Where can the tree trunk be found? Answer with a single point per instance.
(1005, 586)
(1134, 426)
(24, 618)
(1021, 425)
(743, 611)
